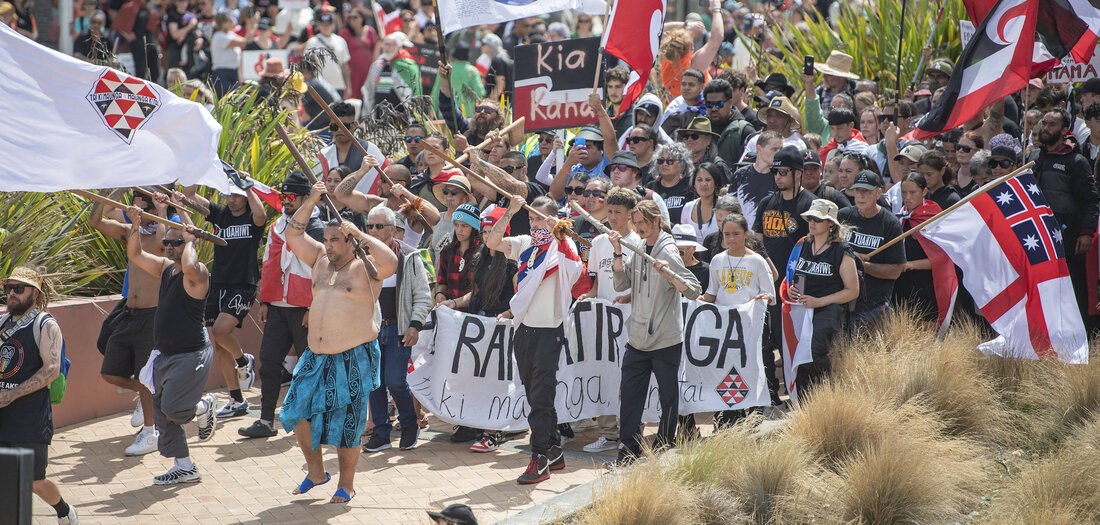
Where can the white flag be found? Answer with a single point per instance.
(68, 124)
(457, 14)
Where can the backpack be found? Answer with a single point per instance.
(59, 385)
(736, 130)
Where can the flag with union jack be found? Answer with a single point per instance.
(1012, 254)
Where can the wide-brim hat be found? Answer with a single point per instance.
(455, 181)
(699, 125)
(776, 81)
(26, 276)
(457, 513)
(838, 65)
(274, 68)
(782, 105)
(622, 158)
(822, 209)
(684, 235)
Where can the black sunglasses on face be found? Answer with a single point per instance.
(376, 226)
(964, 149)
(575, 190)
(1000, 163)
(690, 136)
(666, 161)
(816, 220)
(17, 288)
(782, 172)
(635, 140)
(414, 139)
(350, 125)
(172, 242)
(486, 110)
(510, 169)
(593, 193)
(451, 192)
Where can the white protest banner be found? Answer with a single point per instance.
(252, 62)
(463, 367)
(966, 31)
(1070, 72)
(457, 14)
(292, 5)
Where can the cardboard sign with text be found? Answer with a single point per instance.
(552, 83)
(427, 56)
(1070, 72)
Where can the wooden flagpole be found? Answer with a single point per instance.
(201, 234)
(980, 191)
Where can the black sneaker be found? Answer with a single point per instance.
(537, 470)
(258, 429)
(465, 435)
(556, 457)
(565, 430)
(377, 443)
(409, 437)
(624, 460)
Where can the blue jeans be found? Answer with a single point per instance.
(395, 369)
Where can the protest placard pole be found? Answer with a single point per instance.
(485, 180)
(927, 42)
(980, 191)
(344, 129)
(201, 234)
(603, 42)
(897, 72)
(378, 23)
(638, 251)
(442, 44)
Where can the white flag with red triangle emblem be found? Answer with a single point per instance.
(69, 124)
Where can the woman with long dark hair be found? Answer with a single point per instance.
(939, 177)
(455, 270)
(915, 286)
(708, 181)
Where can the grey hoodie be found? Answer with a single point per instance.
(656, 317)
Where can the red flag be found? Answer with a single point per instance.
(631, 26)
(995, 64)
(978, 9)
(267, 194)
(944, 281)
(391, 22)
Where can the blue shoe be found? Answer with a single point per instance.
(306, 485)
(233, 408)
(246, 375)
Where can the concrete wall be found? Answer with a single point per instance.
(88, 396)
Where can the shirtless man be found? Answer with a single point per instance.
(131, 338)
(342, 344)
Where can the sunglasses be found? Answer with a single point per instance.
(486, 151)
(510, 169)
(782, 172)
(691, 136)
(619, 167)
(816, 220)
(667, 161)
(1002, 163)
(451, 192)
(964, 149)
(172, 242)
(546, 138)
(486, 110)
(574, 190)
(288, 197)
(413, 140)
(593, 193)
(334, 126)
(635, 140)
(376, 226)
(712, 104)
(17, 288)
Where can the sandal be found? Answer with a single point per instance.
(308, 484)
(341, 493)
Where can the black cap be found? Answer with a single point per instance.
(326, 17)
(296, 183)
(622, 158)
(1003, 152)
(1091, 85)
(840, 116)
(788, 157)
(866, 180)
(457, 513)
(264, 23)
(810, 158)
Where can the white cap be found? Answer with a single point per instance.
(685, 236)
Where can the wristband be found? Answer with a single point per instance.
(617, 256)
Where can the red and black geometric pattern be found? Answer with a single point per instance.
(124, 102)
(732, 388)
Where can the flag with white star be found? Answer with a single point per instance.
(1010, 249)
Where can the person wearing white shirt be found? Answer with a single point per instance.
(707, 182)
(338, 72)
(225, 53)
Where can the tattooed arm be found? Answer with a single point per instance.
(304, 246)
(108, 227)
(50, 350)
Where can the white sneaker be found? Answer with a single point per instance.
(144, 443)
(206, 417)
(71, 519)
(137, 419)
(178, 475)
(602, 445)
(233, 408)
(246, 375)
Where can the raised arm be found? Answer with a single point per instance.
(50, 352)
(496, 239)
(109, 227)
(607, 128)
(305, 247)
(380, 255)
(191, 193)
(152, 264)
(496, 175)
(705, 55)
(356, 199)
(198, 277)
(427, 209)
(259, 214)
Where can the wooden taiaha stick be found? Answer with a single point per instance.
(201, 234)
(980, 191)
(182, 205)
(640, 252)
(489, 183)
(187, 201)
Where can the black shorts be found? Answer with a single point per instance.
(130, 343)
(233, 300)
(41, 456)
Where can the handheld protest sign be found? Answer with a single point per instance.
(552, 83)
(201, 234)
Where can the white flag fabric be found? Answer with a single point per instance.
(458, 14)
(68, 124)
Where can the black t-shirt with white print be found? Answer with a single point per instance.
(237, 263)
(866, 235)
(675, 197)
(780, 224)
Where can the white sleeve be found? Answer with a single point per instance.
(685, 215)
(543, 175)
(767, 284)
(712, 284)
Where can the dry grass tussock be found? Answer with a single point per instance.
(1063, 489)
(838, 422)
(644, 496)
(901, 363)
(1056, 399)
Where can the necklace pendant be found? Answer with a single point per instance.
(332, 280)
